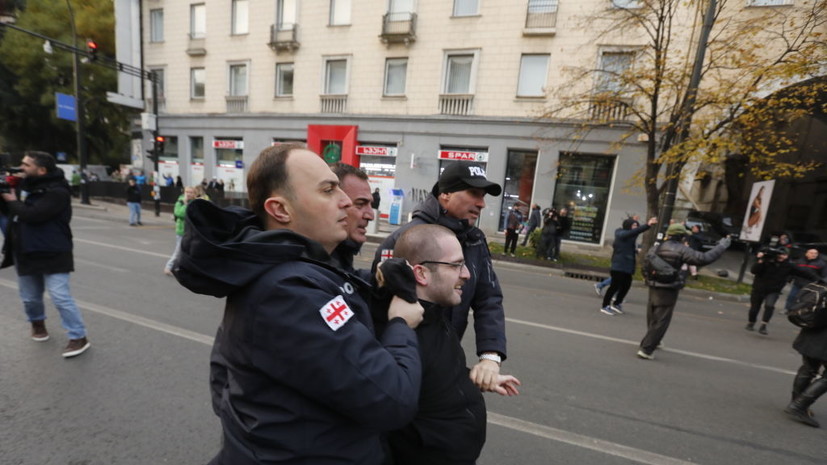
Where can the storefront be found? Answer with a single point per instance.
(378, 161)
(583, 187)
(518, 187)
(229, 163)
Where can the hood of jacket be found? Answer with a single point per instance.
(225, 249)
(628, 223)
(432, 212)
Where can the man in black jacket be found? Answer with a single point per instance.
(354, 182)
(810, 261)
(533, 222)
(39, 244)
(771, 273)
(456, 202)
(449, 427)
(297, 375)
(664, 296)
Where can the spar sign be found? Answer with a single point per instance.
(463, 156)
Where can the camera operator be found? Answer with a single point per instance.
(39, 244)
(771, 271)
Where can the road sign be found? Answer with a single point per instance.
(66, 107)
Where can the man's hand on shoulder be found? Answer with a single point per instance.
(484, 375)
(410, 312)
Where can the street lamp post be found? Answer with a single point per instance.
(81, 140)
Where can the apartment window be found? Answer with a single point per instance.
(284, 79)
(339, 12)
(769, 2)
(533, 72)
(286, 12)
(198, 21)
(459, 73)
(466, 7)
(541, 14)
(241, 16)
(238, 80)
(396, 70)
(400, 8)
(156, 25)
(335, 76)
(198, 78)
(612, 66)
(627, 3)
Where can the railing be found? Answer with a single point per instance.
(456, 104)
(284, 37)
(541, 14)
(236, 103)
(399, 27)
(610, 110)
(334, 103)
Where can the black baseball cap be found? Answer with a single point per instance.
(460, 176)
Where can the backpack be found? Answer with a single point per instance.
(656, 269)
(810, 307)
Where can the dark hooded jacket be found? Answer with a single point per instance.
(449, 427)
(481, 292)
(39, 239)
(625, 251)
(676, 253)
(772, 275)
(297, 375)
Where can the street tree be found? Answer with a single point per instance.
(31, 76)
(758, 76)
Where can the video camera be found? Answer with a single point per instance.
(773, 250)
(7, 179)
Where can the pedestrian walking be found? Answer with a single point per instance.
(513, 223)
(156, 197)
(810, 382)
(297, 374)
(811, 261)
(547, 235)
(456, 202)
(179, 213)
(533, 222)
(563, 227)
(664, 295)
(376, 199)
(771, 269)
(39, 245)
(133, 201)
(624, 252)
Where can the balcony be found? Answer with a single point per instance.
(197, 45)
(334, 103)
(541, 18)
(456, 104)
(236, 103)
(284, 37)
(610, 110)
(398, 28)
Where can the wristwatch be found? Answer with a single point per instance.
(493, 356)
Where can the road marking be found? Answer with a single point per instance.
(585, 442)
(634, 343)
(101, 265)
(119, 247)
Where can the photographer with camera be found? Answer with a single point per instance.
(39, 244)
(771, 270)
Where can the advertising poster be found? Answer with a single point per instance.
(757, 208)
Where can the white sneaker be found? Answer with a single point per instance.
(608, 310)
(598, 290)
(644, 355)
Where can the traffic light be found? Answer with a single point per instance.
(159, 145)
(92, 49)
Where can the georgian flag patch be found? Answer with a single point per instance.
(336, 312)
(386, 254)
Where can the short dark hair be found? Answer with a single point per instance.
(43, 160)
(419, 243)
(268, 174)
(343, 169)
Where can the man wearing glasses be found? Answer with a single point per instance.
(449, 426)
(456, 202)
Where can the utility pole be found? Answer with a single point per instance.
(81, 140)
(685, 118)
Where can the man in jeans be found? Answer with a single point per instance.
(39, 244)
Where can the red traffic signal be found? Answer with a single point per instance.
(92, 49)
(160, 139)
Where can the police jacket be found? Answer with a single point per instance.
(674, 252)
(625, 251)
(449, 427)
(481, 292)
(297, 374)
(39, 239)
(771, 275)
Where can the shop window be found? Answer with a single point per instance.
(519, 182)
(583, 186)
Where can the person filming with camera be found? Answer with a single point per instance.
(39, 245)
(772, 270)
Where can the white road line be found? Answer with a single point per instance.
(585, 442)
(100, 265)
(119, 247)
(635, 343)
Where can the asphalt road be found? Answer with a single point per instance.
(714, 394)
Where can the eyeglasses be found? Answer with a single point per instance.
(457, 265)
